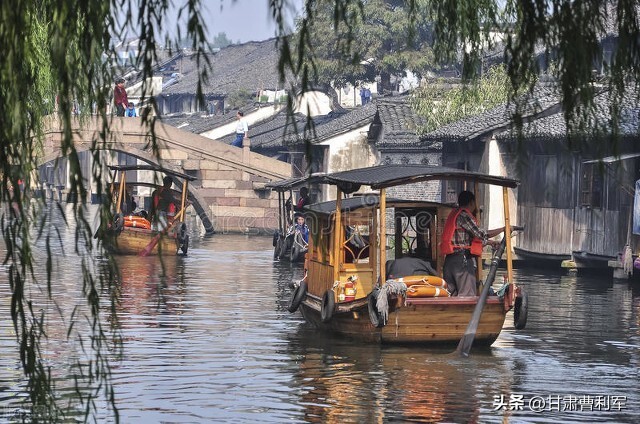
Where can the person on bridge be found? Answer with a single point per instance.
(120, 97)
(163, 204)
(131, 110)
(242, 130)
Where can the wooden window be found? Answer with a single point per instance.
(591, 186)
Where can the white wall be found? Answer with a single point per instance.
(348, 151)
(350, 96)
(226, 131)
(314, 103)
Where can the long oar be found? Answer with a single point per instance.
(464, 346)
(156, 239)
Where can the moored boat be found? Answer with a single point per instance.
(346, 288)
(135, 232)
(288, 242)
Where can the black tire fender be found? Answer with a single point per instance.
(118, 222)
(182, 232)
(328, 306)
(185, 245)
(374, 314)
(298, 296)
(276, 248)
(520, 311)
(293, 254)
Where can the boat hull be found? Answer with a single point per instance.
(132, 241)
(437, 321)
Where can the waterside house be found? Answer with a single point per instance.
(571, 204)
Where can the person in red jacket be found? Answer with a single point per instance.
(462, 242)
(120, 97)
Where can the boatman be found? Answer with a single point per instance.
(462, 242)
(163, 204)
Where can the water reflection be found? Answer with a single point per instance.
(207, 338)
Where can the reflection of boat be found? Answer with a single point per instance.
(346, 290)
(134, 233)
(372, 383)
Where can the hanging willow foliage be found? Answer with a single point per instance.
(58, 53)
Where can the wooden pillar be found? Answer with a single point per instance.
(476, 193)
(183, 201)
(337, 235)
(121, 190)
(383, 235)
(507, 234)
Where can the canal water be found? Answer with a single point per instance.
(208, 339)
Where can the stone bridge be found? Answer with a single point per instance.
(229, 194)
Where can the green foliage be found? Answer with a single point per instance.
(238, 99)
(55, 54)
(440, 103)
(567, 33)
(354, 41)
(221, 41)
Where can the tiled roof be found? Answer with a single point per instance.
(554, 126)
(250, 66)
(499, 117)
(400, 124)
(281, 132)
(199, 122)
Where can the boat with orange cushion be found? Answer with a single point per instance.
(346, 289)
(133, 232)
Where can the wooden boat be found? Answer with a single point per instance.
(348, 249)
(287, 243)
(546, 260)
(133, 233)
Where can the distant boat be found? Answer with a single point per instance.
(133, 233)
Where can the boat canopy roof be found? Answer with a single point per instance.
(383, 176)
(368, 200)
(291, 183)
(288, 184)
(150, 167)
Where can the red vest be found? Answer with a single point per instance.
(446, 246)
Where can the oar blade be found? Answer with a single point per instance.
(149, 247)
(464, 346)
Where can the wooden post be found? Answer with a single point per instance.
(507, 234)
(123, 182)
(185, 187)
(476, 192)
(337, 235)
(383, 235)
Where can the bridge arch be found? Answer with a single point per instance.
(231, 179)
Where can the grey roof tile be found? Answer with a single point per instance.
(250, 66)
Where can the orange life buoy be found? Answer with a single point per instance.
(427, 291)
(431, 280)
(136, 222)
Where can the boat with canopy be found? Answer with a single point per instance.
(135, 231)
(347, 287)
